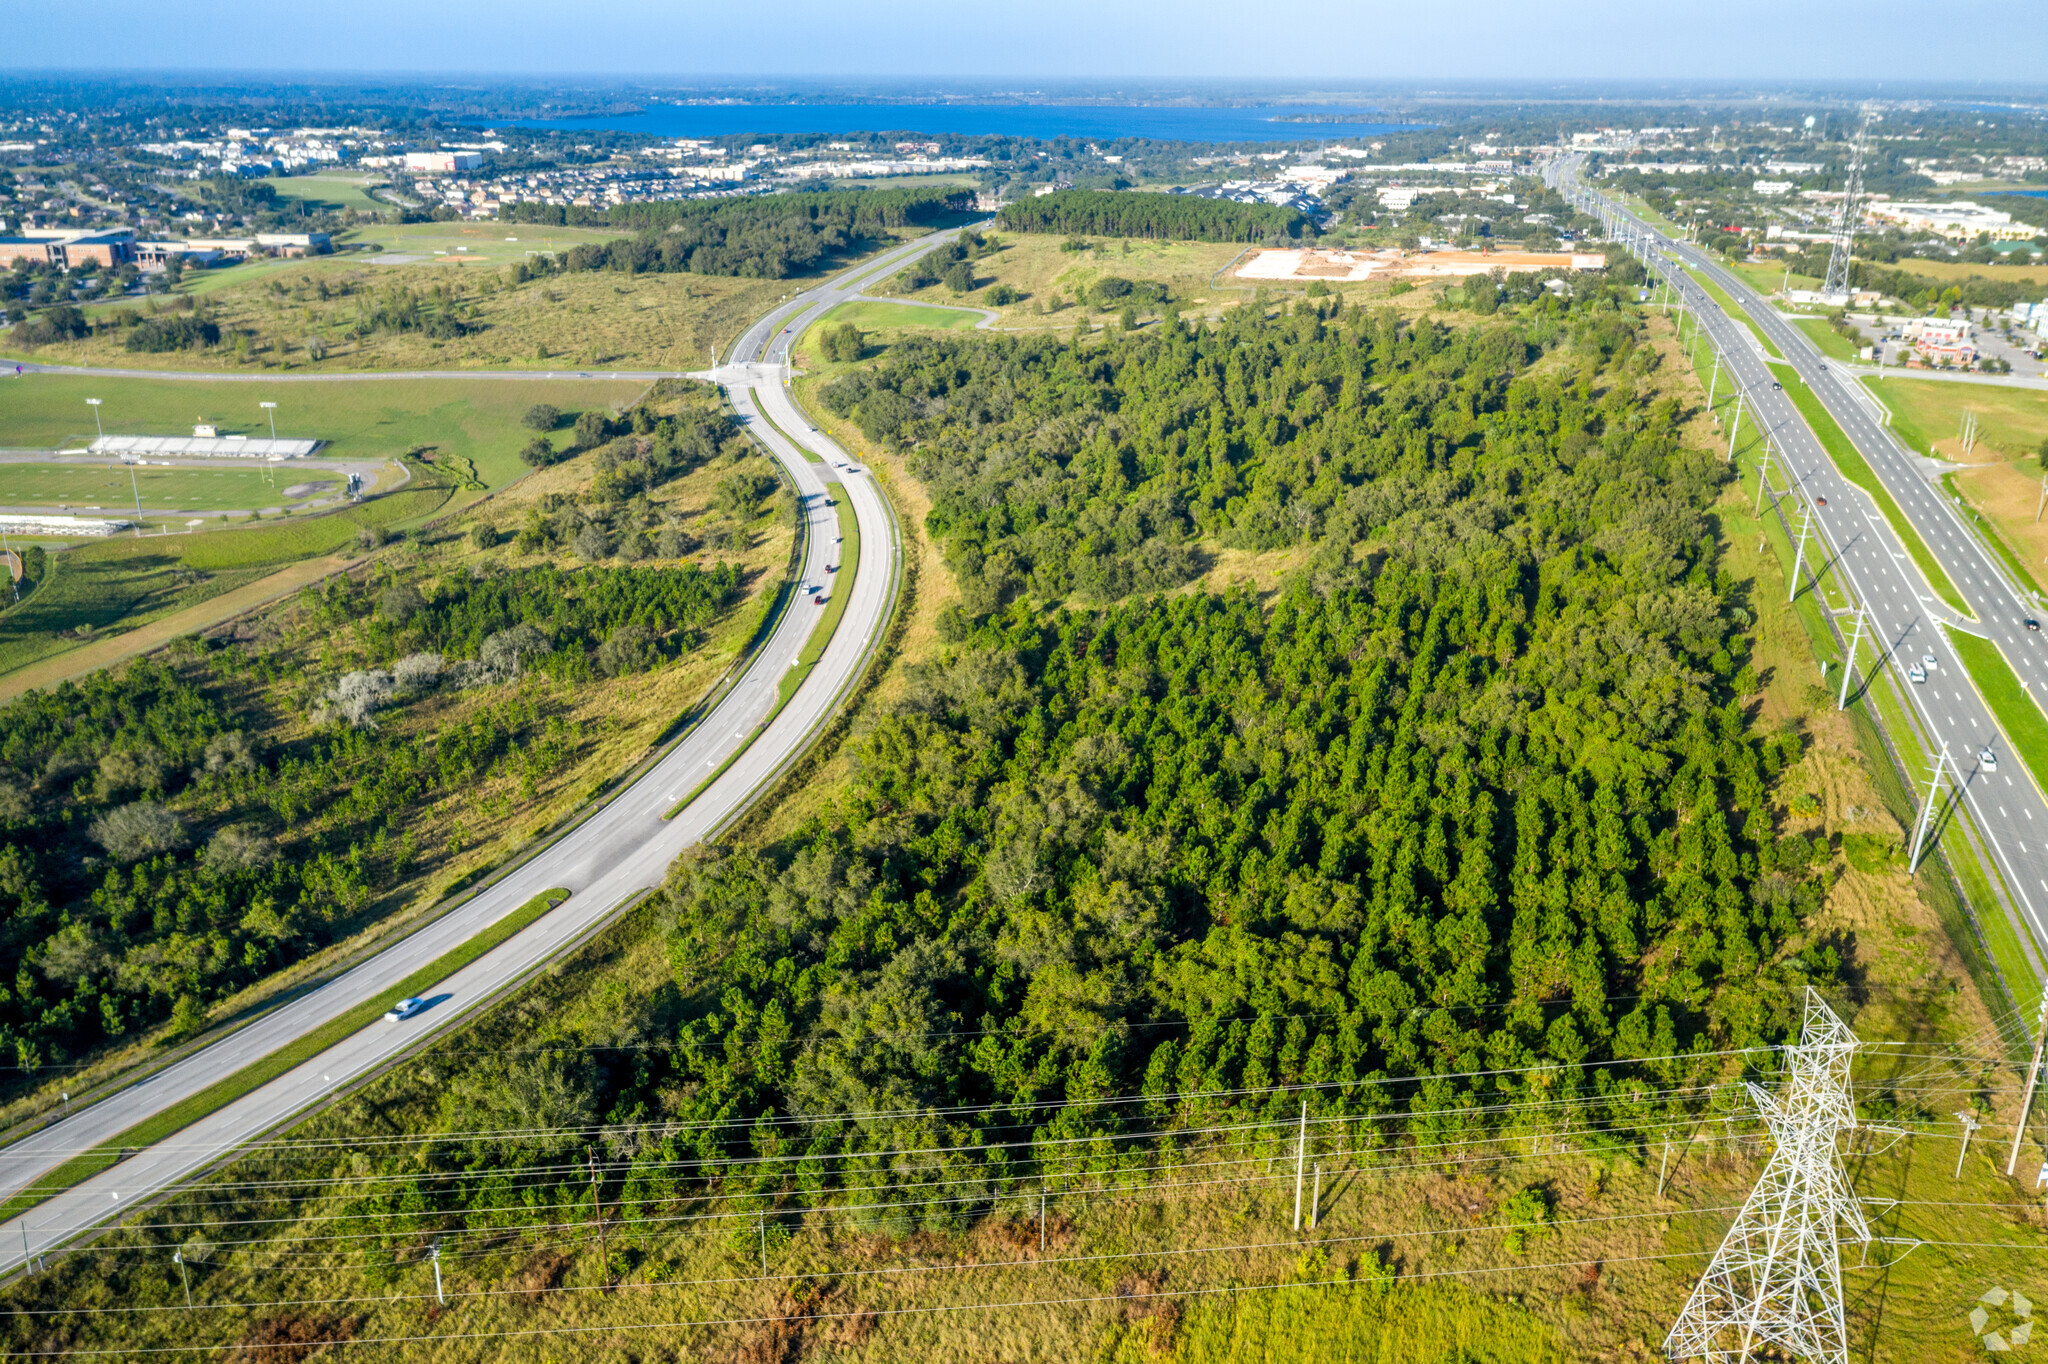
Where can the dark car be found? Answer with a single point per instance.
(2033, 625)
(1775, 384)
(1820, 501)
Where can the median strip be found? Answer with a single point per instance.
(1850, 461)
(2026, 728)
(807, 658)
(1733, 309)
(259, 1073)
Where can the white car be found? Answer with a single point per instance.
(1988, 760)
(1917, 673)
(404, 1009)
(1927, 660)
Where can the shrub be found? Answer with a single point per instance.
(592, 543)
(231, 752)
(539, 452)
(144, 829)
(1003, 295)
(57, 324)
(1108, 290)
(959, 277)
(543, 417)
(482, 537)
(240, 847)
(592, 428)
(628, 649)
(182, 332)
(417, 672)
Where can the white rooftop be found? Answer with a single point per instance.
(236, 447)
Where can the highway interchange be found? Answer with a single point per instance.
(620, 850)
(1906, 622)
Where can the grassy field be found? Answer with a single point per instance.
(125, 582)
(1035, 265)
(333, 193)
(872, 315)
(477, 420)
(1955, 271)
(477, 243)
(1928, 415)
(2019, 714)
(1851, 462)
(86, 486)
(587, 320)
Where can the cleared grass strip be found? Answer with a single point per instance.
(259, 1073)
(1989, 532)
(1850, 461)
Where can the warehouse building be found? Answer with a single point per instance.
(67, 250)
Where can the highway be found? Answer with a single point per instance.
(623, 848)
(1855, 542)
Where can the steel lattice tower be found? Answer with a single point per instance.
(1777, 1278)
(1835, 289)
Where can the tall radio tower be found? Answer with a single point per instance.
(1777, 1278)
(1835, 289)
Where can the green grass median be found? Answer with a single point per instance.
(841, 586)
(2026, 728)
(259, 1073)
(1850, 461)
(1733, 309)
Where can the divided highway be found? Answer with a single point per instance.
(1854, 541)
(621, 849)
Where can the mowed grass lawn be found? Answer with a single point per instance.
(78, 486)
(473, 419)
(2019, 715)
(1928, 415)
(334, 192)
(496, 243)
(1832, 343)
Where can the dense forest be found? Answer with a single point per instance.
(1469, 821)
(178, 828)
(1173, 217)
(767, 237)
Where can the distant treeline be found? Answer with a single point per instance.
(769, 237)
(1174, 217)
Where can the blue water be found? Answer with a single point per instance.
(2027, 193)
(1101, 122)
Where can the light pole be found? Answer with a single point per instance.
(271, 408)
(94, 404)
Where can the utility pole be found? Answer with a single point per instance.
(1662, 1166)
(1735, 424)
(2019, 1129)
(1849, 664)
(184, 1275)
(439, 1296)
(1300, 1158)
(764, 1242)
(2043, 499)
(1315, 1199)
(1041, 1217)
(1970, 1126)
(597, 1200)
(1763, 479)
(1799, 555)
(1913, 862)
(1714, 384)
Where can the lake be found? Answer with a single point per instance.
(1166, 123)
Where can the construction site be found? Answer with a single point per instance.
(1333, 266)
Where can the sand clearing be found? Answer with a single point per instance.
(1358, 266)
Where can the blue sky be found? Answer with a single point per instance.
(1788, 40)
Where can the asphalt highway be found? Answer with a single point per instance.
(624, 847)
(1907, 623)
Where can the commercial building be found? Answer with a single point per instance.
(1960, 221)
(1940, 339)
(67, 250)
(444, 163)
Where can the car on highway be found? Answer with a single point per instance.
(821, 599)
(1820, 501)
(404, 1009)
(1917, 673)
(2033, 625)
(1927, 660)
(1989, 760)
(1775, 384)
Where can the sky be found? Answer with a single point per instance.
(1359, 40)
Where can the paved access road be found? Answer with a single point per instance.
(621, 849)
(1853, 540)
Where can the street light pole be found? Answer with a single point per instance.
(271, 408)
(94, 404)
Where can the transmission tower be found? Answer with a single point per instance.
(1835, 289)
(1777, 1278)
